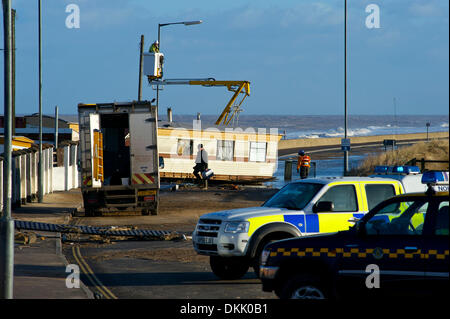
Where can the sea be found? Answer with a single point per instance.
(320, 126)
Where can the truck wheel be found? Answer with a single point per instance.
(89, 212)
(303, 286)
(154, 211)
(229, 268)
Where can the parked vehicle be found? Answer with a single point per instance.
(119, 157)
(234, 239)
(399, 248)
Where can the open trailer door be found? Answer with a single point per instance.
(144, 150)
(92, 150)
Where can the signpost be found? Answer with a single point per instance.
(345, 144)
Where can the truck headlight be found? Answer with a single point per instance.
(236, 227)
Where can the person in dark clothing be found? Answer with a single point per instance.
(201, 162)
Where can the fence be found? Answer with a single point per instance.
(288, 167)
(24, 175)
(423, 163)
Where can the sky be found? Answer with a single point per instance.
(291, 51)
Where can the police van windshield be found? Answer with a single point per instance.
(294, 196)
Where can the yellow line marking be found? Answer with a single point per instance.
(94, 276)
(94, 284)
(90, 274)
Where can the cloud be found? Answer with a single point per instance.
(316, 13)
(425, 9)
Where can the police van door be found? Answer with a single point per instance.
(386, 257)
(347, 202)
(143, 150)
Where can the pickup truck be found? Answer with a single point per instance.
(234, 239)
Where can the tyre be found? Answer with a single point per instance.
(154, 211)
(304, 286)
(89, 212)
(229, 268)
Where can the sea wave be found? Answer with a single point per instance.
(364, 131)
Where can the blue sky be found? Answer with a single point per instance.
(290, 50)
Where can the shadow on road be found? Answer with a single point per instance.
(170, 279)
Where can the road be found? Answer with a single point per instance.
(158, 269)
(323, 152)
(164, 269)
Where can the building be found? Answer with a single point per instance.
(28, 126)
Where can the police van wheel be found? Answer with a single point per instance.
(229, 268)
(305, 286)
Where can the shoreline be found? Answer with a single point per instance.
(359, 144)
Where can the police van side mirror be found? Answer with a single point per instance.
(323, 207)
(360, 228)
(161, 162)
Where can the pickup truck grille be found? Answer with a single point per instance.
(207, 229)
(210, 221)
(206, 234)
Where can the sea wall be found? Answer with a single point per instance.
(336, 141)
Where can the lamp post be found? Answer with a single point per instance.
(186, 23)
(345, 87)
(40, 164)
(428, 125)
(6, 222)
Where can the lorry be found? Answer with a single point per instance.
(118, 158)
(234, 239)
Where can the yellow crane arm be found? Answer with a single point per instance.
(238, 87)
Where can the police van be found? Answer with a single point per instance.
(234, 239)
(399, 248)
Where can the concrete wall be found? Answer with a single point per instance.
(333, 141)
(24, 177)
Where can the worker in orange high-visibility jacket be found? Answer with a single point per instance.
(303, 164)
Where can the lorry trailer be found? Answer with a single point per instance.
(118, 157)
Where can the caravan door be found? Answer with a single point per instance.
(143, 150)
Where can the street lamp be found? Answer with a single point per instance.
(6, 222)
(186, 23)
(345, 87)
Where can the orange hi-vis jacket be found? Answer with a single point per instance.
(304, 160)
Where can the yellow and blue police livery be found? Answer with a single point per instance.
(399, 248)
(234, 239)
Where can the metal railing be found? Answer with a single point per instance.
(288, 165)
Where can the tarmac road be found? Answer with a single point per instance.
(165, 269)
(158, 269)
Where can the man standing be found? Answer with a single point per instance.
(154, 48)
(201, 162)
(303, 164)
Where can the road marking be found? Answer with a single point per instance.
(90, 274)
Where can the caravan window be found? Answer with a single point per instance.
(225, 150)
(185, 147)
(258, 151)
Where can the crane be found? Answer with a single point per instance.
(230, 111)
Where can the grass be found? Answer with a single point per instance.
(432, 150)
